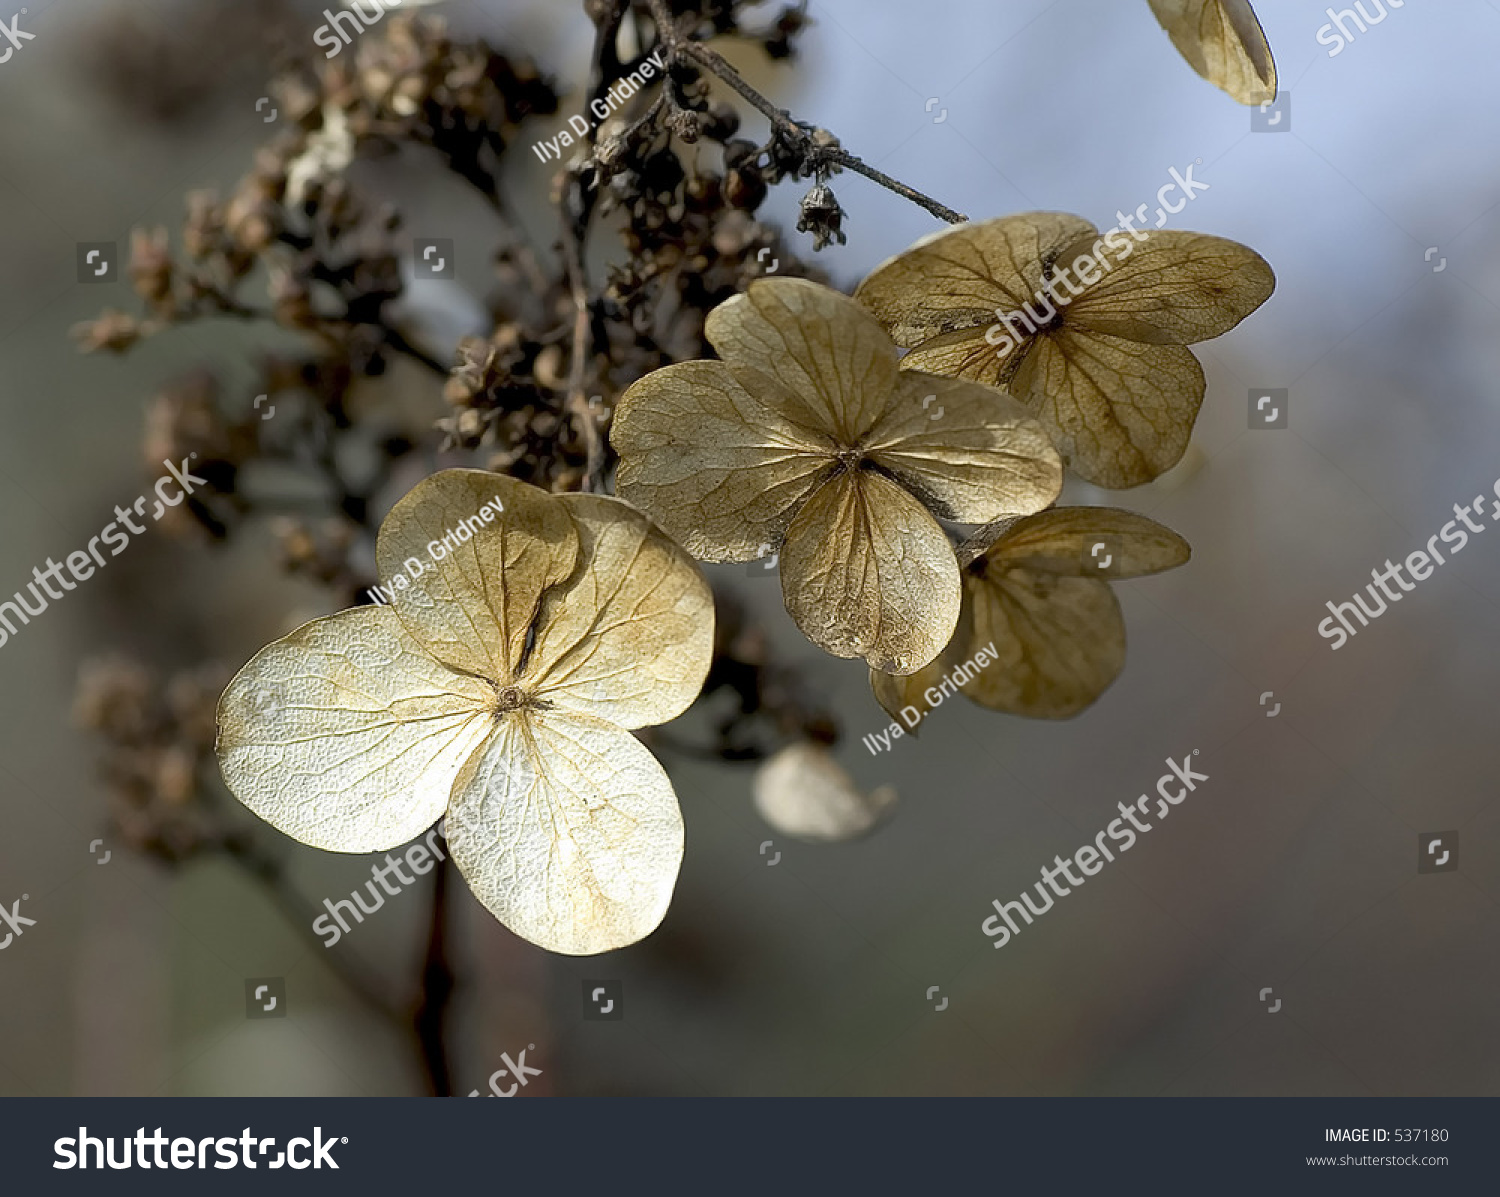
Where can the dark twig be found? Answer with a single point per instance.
(817, 155)
(437, 990)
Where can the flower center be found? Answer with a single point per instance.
(510, 698)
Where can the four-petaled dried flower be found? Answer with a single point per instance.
(1037, 598)
(1103, 361)
(499, 688)
(807, 437)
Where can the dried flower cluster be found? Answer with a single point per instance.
(501, 690)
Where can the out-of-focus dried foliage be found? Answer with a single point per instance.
(802, 791)
(1037, 589)
(158, 764)
(498, 688)
(808, 439)
(1108, 373)
(1222, 40)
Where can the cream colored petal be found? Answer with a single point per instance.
(1174, 288)
(1222, 40)
(568, 832)
(471, 603)
(1064, 539)
(1120, 412)
(817, 344)
(867, 572)
(346, 735)
(956, 278)
(718, 469)
(802, 791)
(1060, 640)
(629, 638)
(972, 453)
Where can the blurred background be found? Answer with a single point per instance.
(1294, 868)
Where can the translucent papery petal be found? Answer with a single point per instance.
(471, 601)
(817, 344)
(1120, 412)
(966, 354)
(867, 572)
(1222, 40)
(956, 279)
(1060, 640)
(971, 452)
(346, 735)
(1175, 289)
(715, 467)
(567, 830)
(630, 636)
(1092, 542)
(901, 696)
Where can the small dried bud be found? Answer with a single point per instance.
(745, 188)
(686, 124)
(151, 265)
(204, 226)
(821, 216)
(723, 122)
(115, 331)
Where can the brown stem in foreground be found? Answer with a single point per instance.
(437, 990)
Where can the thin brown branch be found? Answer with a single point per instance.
(695, 52)
(438, 984)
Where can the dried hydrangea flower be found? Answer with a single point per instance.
(809, 440)
(1103, 361)
(1037, 601)
(497, 687)
(802, 791)
(1222, 40)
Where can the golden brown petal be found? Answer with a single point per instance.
(721, 471)
(1222, 40)
(818, 345)
(471, 602)
(1061, 641)
(1064, 539)
(972, 453)
(867, 572)
(1174, 288)
(956, 278)
(1120, 412)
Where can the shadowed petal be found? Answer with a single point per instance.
(867, 572)
(971, 452)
